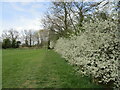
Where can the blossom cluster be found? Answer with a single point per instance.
(95, 51)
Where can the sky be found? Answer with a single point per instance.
(22, 15)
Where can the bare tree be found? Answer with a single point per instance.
(58, 18)
(37, 37)
(30, 33)
(5, 34)
(43, 37)
(25, 37)
(64, 17)
(13, 36)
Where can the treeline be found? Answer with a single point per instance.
(27, 38)
(66, 19)
(63, 19)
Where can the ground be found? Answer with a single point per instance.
(39, 68)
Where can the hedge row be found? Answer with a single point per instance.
(95, 51)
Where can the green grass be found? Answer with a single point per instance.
(39, 69)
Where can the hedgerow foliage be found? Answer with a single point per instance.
(95, 51)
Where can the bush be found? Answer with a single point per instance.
(6, 43)
(95, 51)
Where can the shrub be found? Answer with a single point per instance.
(95, 51)
(6, 43)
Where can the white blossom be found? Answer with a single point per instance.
(95, 51)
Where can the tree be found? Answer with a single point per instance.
(6, 43)
(13, 37)
(25, 37)
(66, 18)
(18, 44)
(43, 37)
(10, 35)
(36, 38)
(57, 18)
(13, 43)
(5, 34)
(30, 35)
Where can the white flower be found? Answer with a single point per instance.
(90, 50)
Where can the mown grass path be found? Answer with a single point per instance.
(39, 69)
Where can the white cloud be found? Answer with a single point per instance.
(32, 9)
(25, 3)
(31, 20)
(24, 24)
(33, 24)
(16, 7)
(36, 6)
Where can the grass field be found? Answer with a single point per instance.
(39, 69)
